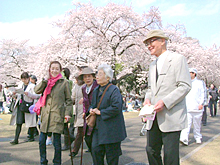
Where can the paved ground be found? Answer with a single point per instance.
(133, 148)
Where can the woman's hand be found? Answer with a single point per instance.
(81, 101)
(67, 117)
(47, 75)
(95, 111)
(91, 111)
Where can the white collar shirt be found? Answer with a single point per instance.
(88, 88)
(160, 61)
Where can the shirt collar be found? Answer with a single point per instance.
(163, 55)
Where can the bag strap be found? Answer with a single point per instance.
(103, 95)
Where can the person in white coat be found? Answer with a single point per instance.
(19, 117)
(194, 104)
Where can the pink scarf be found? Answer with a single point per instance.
(42, 101)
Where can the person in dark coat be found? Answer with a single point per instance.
(213, 92)
(109, 130)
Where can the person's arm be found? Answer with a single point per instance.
(74, 94)
(115, 106)
(183, 83)
(39, 88)
(31, 93)
(147, 99)
(202, 95)
(68, 101)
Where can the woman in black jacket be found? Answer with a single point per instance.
(110, 127)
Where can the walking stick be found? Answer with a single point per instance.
(69, 144)
(82, 144)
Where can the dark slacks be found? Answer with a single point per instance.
(78, 140)
(88, 140)
(112, 151)
(155, 140)
(211, 103)
(57, 147)
(204, 115)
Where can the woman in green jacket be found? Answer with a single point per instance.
(56, 105)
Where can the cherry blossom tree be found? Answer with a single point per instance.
(15, 58)
(110, 34)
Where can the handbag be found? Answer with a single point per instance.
(24, 106)
(91, 119)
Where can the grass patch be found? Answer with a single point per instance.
(8, 130)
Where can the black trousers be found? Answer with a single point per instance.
(155, 140)
(88, 140)
(204, 115)
(111, 151)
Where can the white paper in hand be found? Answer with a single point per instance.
(148, 112)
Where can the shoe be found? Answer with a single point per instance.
(64, 148)
(36, 134)
(30, 140)
(198, 141)
(14, 142)
(88, 150)
(73, 154)
(49, 142)
(184, 142)
(204, 124)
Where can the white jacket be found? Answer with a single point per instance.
(196, 96)
(30, 119)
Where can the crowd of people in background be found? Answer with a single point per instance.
(61, 106)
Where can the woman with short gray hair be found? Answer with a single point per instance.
(109, 130)
(108, 71)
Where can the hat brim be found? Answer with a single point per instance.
(80, 77)
(145, 41)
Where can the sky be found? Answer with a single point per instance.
(31, 19)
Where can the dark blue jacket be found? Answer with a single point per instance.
(110, 124)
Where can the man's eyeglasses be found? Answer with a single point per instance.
(150, 41)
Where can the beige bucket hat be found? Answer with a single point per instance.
(156, 33)
(86, 70)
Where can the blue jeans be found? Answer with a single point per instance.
(57, 146)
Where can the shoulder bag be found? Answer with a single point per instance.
(24, 106)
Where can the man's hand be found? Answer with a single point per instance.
(146, 102)
(200, 107)
(159, 106)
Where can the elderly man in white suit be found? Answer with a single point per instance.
(168, 84)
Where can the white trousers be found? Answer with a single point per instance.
(195, 118)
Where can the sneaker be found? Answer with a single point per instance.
(49, 142)
(184, 142)
(198, 141)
